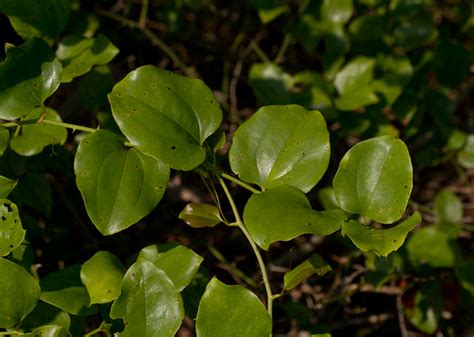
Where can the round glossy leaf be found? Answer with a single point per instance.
(6, 186)
(64, 290)
(149, 303)
(178, 262)
(33, 138)
(434, 247)
(11, 231)
(381, 241)
(45, 18)
(339, 11)
(102, 275)
(466, 155)
(119, 185)
(283, 213)
(356, 74)
(165, 115)
(200, 215)
(19, 293)
(448, 207)
(374, 179)
(23, 88)
(313, 265)
(78, 54)
(281, 145)
(229, 311)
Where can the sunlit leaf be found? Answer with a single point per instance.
(178, 262)
(24, 88)
(64, 290)
(228, 311)
(432, 246)
(283, 213)
(313, 265)
(19, 292)
(149, 303)
(448, 207)
(381, 241)
(338, 11)
(165, 115)
(119, 185)
(466, 155)
(281, 145)
(78, 54)
(33, 138)
(6, 186)
(102, 275)
(374, 179)
(11, 230)
(200, 215)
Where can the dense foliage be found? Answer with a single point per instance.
(253, 168)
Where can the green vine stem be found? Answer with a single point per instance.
(239, 182)
(261, 263)
(143, 14)
(47, 121)
(73, 127)
(152, 37)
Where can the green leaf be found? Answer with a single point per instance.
(356, 99)
(448, 207)
(33, 138)
(165, 115)
(200, 215)
(356, 74)
(64, 290)
(328, 198)
(322, 335)
(178, 262)
(381, 241)
(374, 179)
(270, 83)
(102, 275)
(45, 331)
(45, 18)
(228, 311)
(397, 72)
(45, 314)
(464, 271)
(269, 10)
(281, 145)
(4, 139)
(6, 186)
(466, 155)
(283, 213)
(11, 231)
(78, 54)
(432, 246)
(424, 314)
(19, 292)
(119, 185)
(149, 303)
(313, 265)
(23, 88)
(339, 11)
